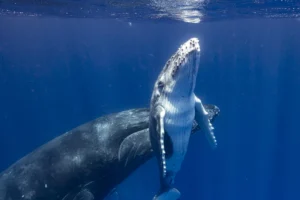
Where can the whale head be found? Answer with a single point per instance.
(178, 77)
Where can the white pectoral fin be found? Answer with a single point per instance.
(159, 117)
(202, 118)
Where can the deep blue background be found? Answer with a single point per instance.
(56, 74)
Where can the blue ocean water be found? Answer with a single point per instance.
(58, 72)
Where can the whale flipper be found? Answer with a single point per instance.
(212, 110)
(169, 194)
(159, 114)
(202, 117)
(84, 194)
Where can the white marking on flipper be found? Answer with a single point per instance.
(202, 118)
(160, 129)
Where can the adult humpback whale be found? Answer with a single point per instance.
(173, 109)
(86, 162)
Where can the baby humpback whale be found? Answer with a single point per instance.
(173, 108)
(87, 162)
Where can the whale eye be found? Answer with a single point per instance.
(160, 84)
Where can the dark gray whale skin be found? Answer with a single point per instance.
(86, 162)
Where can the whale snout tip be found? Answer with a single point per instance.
(194, 42)
(190, 46)
(194, 39)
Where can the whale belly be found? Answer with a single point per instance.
(180, 142)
